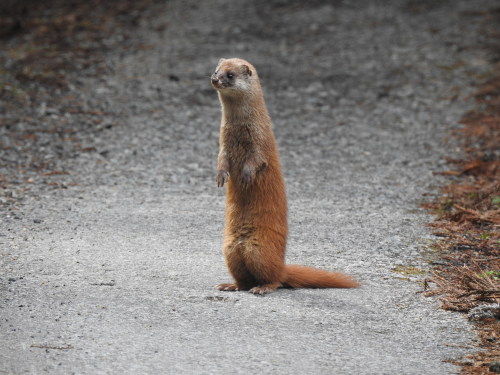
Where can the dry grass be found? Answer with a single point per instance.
(468, 220)
(466, 287)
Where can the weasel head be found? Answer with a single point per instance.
(234, 77)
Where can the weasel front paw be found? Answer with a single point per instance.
(247, 176)
(222, 177)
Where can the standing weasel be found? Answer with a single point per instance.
(256, 210)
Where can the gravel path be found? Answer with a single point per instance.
(115, 273)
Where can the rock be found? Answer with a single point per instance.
(495, 367)
(485, 311)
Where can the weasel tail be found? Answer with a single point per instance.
(308, 277)
(248, 165)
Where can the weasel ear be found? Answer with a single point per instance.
(247, 69)
(221, 60)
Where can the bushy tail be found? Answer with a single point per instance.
(309, 277)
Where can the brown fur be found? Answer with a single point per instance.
(256, 226)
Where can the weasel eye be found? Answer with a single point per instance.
(230, 75)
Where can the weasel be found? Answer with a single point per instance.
(248, 164)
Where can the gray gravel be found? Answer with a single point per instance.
(115, 273)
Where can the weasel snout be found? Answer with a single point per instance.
(215, 81)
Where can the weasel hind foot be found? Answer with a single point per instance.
(264, 289)
(228, 287)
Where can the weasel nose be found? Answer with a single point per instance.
(215, 80)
